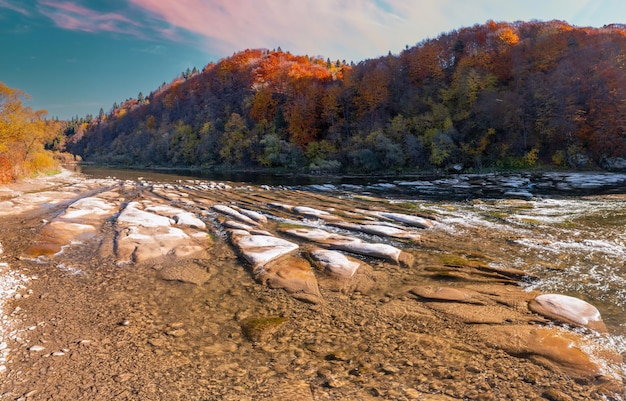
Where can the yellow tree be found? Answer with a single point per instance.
(23, 135)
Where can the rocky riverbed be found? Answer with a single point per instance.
(152, 289)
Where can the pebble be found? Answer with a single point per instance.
(389, 369)
(334, 383)
(177, 333)
(36, 348)
(412, 394)
(58, 353)
(121, 378)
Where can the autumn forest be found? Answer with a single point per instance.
(493, 96)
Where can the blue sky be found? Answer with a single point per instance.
(74, 57)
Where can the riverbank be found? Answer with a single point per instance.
(192, 289)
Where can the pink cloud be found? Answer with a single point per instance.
(11, 6)
(72, 16)
(323, 27)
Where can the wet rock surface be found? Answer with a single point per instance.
(144, 290)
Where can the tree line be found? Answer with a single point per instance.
(496, 95)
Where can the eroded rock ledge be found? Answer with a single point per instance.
(316, 245)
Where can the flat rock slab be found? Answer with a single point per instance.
(551, 345)
(261, 249)
(294, 275)
(415, 221)
(447, 294)
(381, 230)
(566, 309)
(229, 211)
(133, 215)
(335, 263)
(352, 245)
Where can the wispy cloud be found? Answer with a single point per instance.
(14, 7)
(156, 49)
(357, 28)
(346, 29)
(72, 16)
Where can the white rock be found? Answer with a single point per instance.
(320, 236)
(237, 225)
(261, 249)
(382, 251)
(134, 216)
(254, 215)
(309, 211)
(348, 244)
(415, 221)
(179, 216)
(89, 208)
(36, 348)
(227, 210)
(564, 307)
(335, 262)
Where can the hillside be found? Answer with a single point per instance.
(505, 95)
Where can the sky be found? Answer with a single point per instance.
(74, 57)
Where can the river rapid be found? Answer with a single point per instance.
(131, 326)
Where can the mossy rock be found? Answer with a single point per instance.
(258, 329)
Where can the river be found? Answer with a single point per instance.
(497, 240)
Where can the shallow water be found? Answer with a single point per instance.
(233, 338)
(573, 240)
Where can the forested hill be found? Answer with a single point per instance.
(504, 95)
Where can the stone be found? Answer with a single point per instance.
(294, 275)
(551, 346)
(261, 249)
(381, 230)
(446, 294)
(185, 272)
(349, 244)
(570, 310)
(414, 221)
(229, 211)
(134, 216)
(37, 348)
(256, 216)
(335, 263)
(258, 329)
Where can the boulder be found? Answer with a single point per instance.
(570, 310)
(552, 347)
(415, 221)
(260, 249)
(294, 275)
(335, 263)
